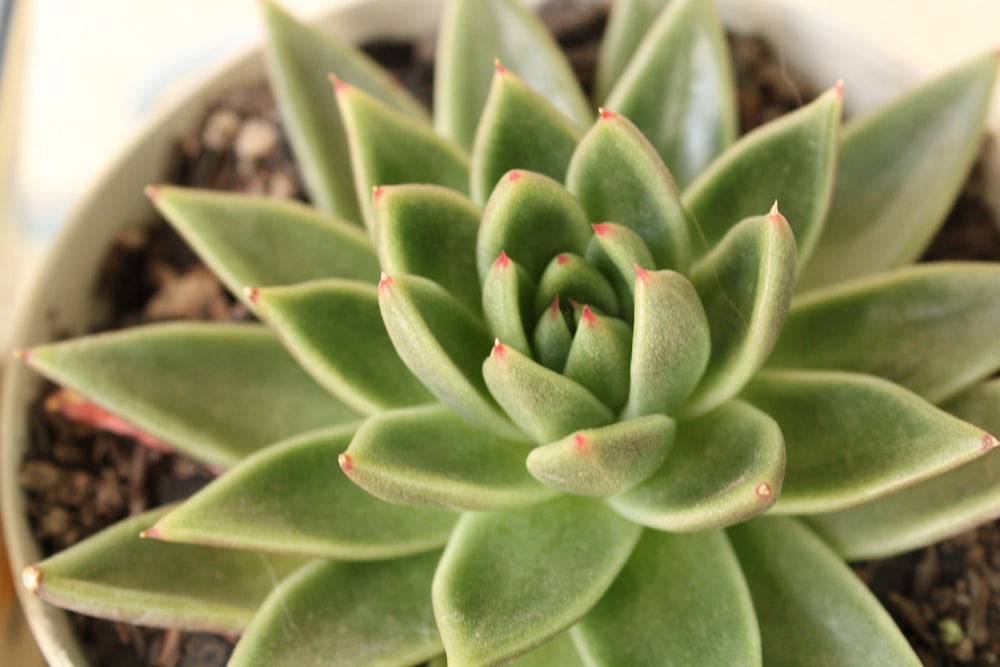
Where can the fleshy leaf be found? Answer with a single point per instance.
(850, 438)
(725, 467)
(604, 461)
(628, 23)
(692, 120)
(792, 160)
(353, 613)
(443, 345)
(570, 277)
(250, 394)
(510, 580)
(519, 129)
(663, 607)
(532, 218)
(248, 240)
(558, 652)
(931, 510)
(552, 338)
(428, 457)
(617, 250)
(890, 197)
(293, 498)
(390, 148)
(473, 35)
(670, 343)
(745, 285)
(930, 328)
(811, 608)
(599, 358)
(299, 59)
(545, 404)
(618, 176)
(507, 302)
(116, 575)
(335, 330)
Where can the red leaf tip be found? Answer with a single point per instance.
(384, 282)
(346, 463)
(554, 308)
(498, 67)
(252, 294)
(562, 259)
(989, 442)
(151, 533)
(640, 273)
(503, 261)
(152, 192)
(498, 348)
(763, 491)
(601, 228)
(376, 193)
(588, 317)
(774, 215)
(605, 114)
(580, 444)
(339, 85)
(31, 577)
(22, 355)
(514, 175)
(838, 89)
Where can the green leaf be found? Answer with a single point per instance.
(429, 231)
(792, 160)
(545, 404)
(335, 330)
(349, 613)
(552, 338)
(116, 575)
(724, 468)
(570, 276)
(930, 328)
(616, 250)
(693, 119)
(890, 197)
(599, 358)
(558, 652)
(519, 129)
(665, 609)
(293, 498)
(510, 580)
(299, 58)
(248, 240)
(428, 457)
(850, 438)
(811, 608)
(929, 511)
(390, 148)
(618, 176)
(443, 345)
(745, 285)
(472, 36)
(670, 343)
(628, 23)
(532, 218)
(250, 392)
(507, 302)
(604, 461)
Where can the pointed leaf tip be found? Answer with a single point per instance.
(384, 282)
(588, 317)
(346, 463)
(252, 294)
(339, 85)
(640, 273)
(554, 308)
(503, 261)
(377, 193)
(601, 228)
(763, 491)
(498, 348)
(514, 175)
(838, 89)
(22, 355)
(605, 114)
(989, 442)
(580, 445)
(152, 192)
(31, 577)
(498, 67)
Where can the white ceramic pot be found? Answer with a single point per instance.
(65, 283)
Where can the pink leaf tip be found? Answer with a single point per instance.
(605, 114)
(554, 308)
(339, 85)
(498, 348)
(252, 294)
(562, 259)
(588, 317)
(498, 67)
(774, 215)
(989, 442)
(763, 491)
(31, 577)
(640, 273)
(601, 228)
(377, 193)
(838, 89)
(22, 355)
(384, 282)
(514, 175)
(580, 444)
(151, 533)
(152, 192)
(346, 463)
(503, 261)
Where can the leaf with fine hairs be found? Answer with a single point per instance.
(628, 22)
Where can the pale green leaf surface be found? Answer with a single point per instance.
(552, 338)
(617, 250)
(811, 608)
(900, 169)
(850, 437)
(507, 303)
(558, 652)
(250, 392)
(116, 575)
(429, 457)
(510, 580)
(681, 600)
(599, 358)
(363, 614)
(569, 276)
(724, 467)
(628, 23)
(294, 498)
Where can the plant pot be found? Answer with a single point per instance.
(64, 285)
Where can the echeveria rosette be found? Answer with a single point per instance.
(597, 351)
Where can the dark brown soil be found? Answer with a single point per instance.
(80, 479)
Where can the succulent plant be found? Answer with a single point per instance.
(603, 345)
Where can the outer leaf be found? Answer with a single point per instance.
(429, 457)
(507, 302)
(510, 580)
(429, 231)
(670, 343)
(604, 461)
(355, 613)
(293, 498)
(792, 160)
(692, 120)
(545, 404)
(889, 197)
(811, 608)
(519, 129)
(618, 176)
(118, 576)
(245, 378)
(628, 23)
(745, 285)
(599, 358)
(299, 59)
(472, 36)
(664, 608)
(390, 148)
(851, 438)
(440, 342)
(263, 240)
(930, 328)
(931, 510)
(725, 467)
(558, 652)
